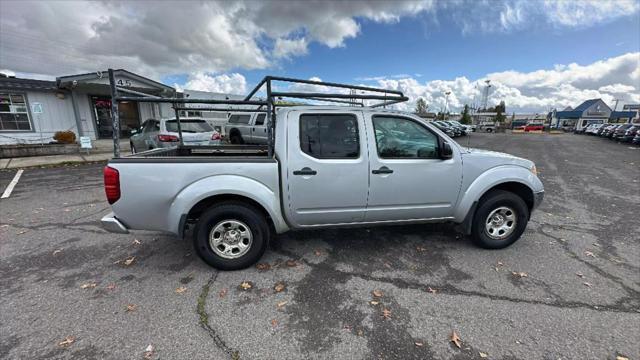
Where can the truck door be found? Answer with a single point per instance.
(408, 180)
(259, 130)
(327, 167)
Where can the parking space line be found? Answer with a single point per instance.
(12, 184)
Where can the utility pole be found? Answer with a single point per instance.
(485, 96)
(616, 105)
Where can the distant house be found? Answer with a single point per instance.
(593, 111)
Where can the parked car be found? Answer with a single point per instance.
(607, 129)
(534, 126)
(613, 131)
(629, 133)
(456, 124)
(636, 139)
(164, 133)
(454, 129)
(246, 128)
(602, 129)
(621, 131)
(446, 129)
(593, 129)
(487, 127)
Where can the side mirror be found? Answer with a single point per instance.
(446, 152)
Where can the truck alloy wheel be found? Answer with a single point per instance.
(500, 220)
(231, 235)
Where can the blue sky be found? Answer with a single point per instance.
(539, 54)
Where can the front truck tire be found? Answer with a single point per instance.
(231, 235)
(500, 220)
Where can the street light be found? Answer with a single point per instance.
(446, 106)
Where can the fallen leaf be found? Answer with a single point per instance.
(274, 322)
(386, 313)
(56, 252)
(67, 341)
(589, 253)
(373, 302)
(580, 275)
(222, 293)
(21, 232)
(181, 289)
(586, 284)
(419, 344)
(387, 264)
(128, 261)
(483, 355)
(281, 304)
(292, 263)
(131, 307)
(88, 286)
(246, 285)
(318, 252)
(148, 352)
(280, 286)
(519, 274)
(499, 263)
(111, 286)
(621, 357)
(360, 332)
(455, 339)
(377, 293)
(421, 249)
(136, 242)
(263, 266)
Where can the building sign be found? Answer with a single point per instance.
(124, 82)
(36, 108)
(85, 142)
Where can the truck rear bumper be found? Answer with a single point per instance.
(112, 224)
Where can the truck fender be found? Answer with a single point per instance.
(488, 180)
(225, 185)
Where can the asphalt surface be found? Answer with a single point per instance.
(568, 289)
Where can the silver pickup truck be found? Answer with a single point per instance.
(332, 167)
(323, 166)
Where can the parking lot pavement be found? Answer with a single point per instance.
(569, 289)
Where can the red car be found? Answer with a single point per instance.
(534, 127)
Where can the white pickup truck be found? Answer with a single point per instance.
(331, 167)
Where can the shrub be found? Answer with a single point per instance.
(65, 137)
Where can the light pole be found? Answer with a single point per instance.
(446, 106)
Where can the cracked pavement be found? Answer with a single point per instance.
(580, 298)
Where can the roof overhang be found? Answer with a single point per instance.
(99, 81)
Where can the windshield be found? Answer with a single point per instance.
(189, 126)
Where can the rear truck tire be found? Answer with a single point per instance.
(500, 220)
(236, 138)
(231, 235)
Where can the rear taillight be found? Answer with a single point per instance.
(168, 138)
(111, 184)
(216, 136)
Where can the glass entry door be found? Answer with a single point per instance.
(129, 117)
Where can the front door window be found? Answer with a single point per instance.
(129, 117)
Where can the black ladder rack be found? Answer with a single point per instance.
(355, 96)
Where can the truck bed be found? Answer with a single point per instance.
(218, 151)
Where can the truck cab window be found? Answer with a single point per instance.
(260, 119)
(401, 138)
(329, 136)
(239, 119)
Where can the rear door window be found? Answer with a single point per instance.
(260, 119)
(239, 119)
(329, 136)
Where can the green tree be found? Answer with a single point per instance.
(500, 113)
(421, 106)
(465, 118)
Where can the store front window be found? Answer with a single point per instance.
(14, 112)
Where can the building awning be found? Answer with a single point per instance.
(98, 83)
(27, 84)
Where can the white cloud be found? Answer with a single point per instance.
(285, 48)
(226, 83)
(536, 91)
(167, 37)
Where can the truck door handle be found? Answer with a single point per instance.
(382, 170)
(305, 171)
